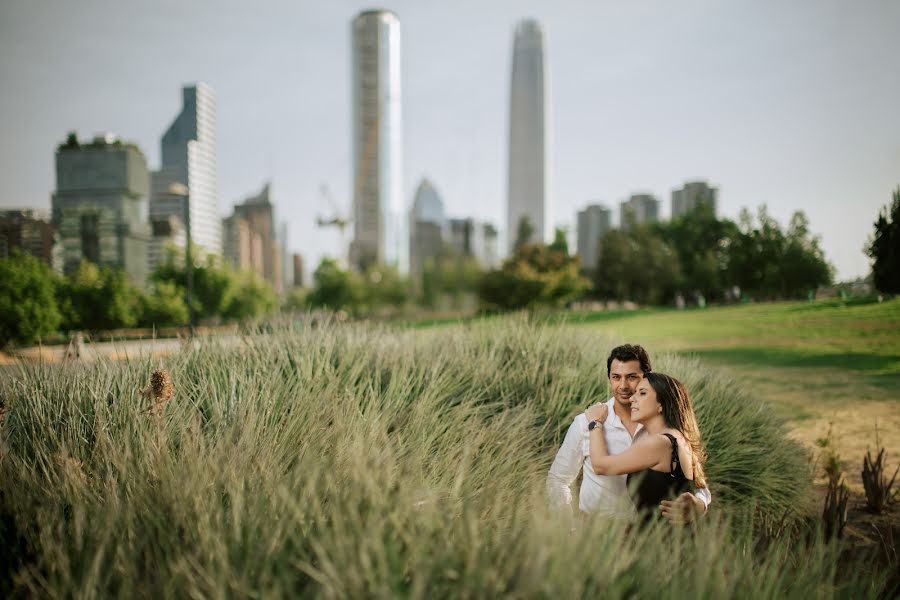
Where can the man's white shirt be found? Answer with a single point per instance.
(605, 495)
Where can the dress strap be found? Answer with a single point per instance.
(676, 464)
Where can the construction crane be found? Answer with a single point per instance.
(335, 221)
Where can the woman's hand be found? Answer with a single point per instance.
(597, 412)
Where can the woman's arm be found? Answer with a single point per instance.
(644, 454)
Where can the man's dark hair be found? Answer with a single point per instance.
(629, 352)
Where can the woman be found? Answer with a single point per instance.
(666, 460)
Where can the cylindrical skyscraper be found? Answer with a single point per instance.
(378, 224)
(529, 138)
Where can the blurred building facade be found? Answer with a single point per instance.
(467, 237)
(593, 223)
(250, 242)
(297, 262)
(693, 194)
(30, 231)
(637, 210)
(378, 223)
(529, 136)
(189, 158)
(427, 224)
(100, 206)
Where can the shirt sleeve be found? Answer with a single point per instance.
(704, 495)
(566, 466)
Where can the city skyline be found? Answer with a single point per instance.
(789, 106)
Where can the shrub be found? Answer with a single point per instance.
(28, 308)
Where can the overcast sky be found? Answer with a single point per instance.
(792, 104)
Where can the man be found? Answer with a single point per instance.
(607, 495)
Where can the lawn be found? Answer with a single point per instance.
(817, 364)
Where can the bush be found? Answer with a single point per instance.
(352, 461)
(165, 306)
(95, 298)
(28, 308)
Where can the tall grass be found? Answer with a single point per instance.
(357, 461)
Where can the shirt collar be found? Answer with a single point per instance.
(614, 419)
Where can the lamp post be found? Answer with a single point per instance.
(181, 190)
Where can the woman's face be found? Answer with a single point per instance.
(644, 404)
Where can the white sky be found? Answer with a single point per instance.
(792, 104)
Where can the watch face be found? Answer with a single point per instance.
(592, 425)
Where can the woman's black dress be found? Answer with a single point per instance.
(648, 487)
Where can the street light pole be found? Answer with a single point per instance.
(189, 264)
(181, 190)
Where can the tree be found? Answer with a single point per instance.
(702, 243)
(524, 233)
(637, 266)
(28, 307)
(884, 248)
(214, 283)
(384, 287)
(534, 276)
(251, 297)
(335, 288)
(165, 306)
(560, 243)
(766, 262)
(96, 298)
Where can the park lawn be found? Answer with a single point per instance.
(818, 364)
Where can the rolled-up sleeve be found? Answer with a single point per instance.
(704, 495)
(565, 467)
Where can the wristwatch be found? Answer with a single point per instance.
(594, 424)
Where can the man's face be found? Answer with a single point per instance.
(624, 378)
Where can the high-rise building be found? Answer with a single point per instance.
(287, 270)
(297, 279)
(378, 223)
(167, 218)
(640, 208)
(100, 207)
(529, 136)
(28, 230)
(426, 229)
(250, 242)
(593, 223)
(189, 158)
(478, 240)
(693, 194)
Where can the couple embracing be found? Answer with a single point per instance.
(640, 452)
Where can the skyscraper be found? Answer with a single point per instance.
(250, 241)
(189, 158)
(692, 195)
(100, 204)
(593, 223)
(640, 208)
(426, 229)
(378, 223)
(529, 139)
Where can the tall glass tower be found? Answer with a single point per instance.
(189, 157)
(378, 219)
(529, 136)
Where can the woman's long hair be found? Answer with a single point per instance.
(678, 411)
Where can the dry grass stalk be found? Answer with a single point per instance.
(158, 392)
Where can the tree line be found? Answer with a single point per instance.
(36, 302)
(699, 256)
